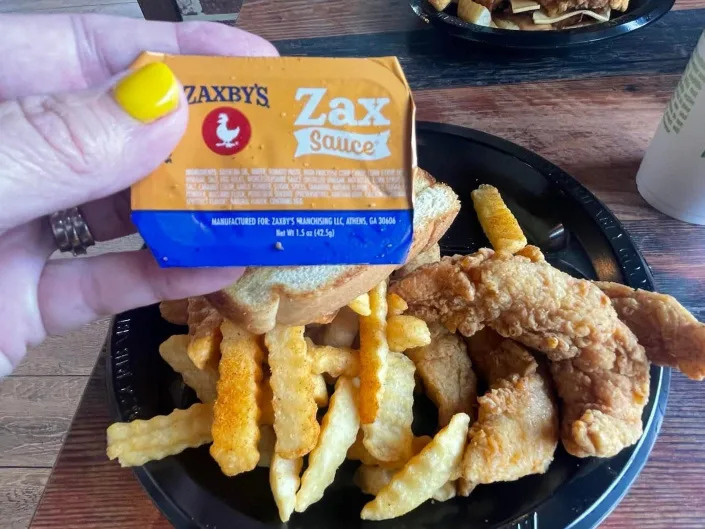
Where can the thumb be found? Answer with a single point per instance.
(60, 151)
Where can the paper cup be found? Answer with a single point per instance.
(672, 174)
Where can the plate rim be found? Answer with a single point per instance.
(542, 40)
(621, 483)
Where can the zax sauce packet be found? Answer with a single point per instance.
(285, 161)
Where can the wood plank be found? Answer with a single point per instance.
(300, 19)
(688, 4)
(73, 354)
(595, 129)
(28, 5)
(92, 500)
(40, 5)
(433, 63)
(35, 416)
(123, 9)
(21, 490)
(668, 492)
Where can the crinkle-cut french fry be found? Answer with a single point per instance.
(320, 391)
(264, 401)
(336, 361)
(264, 398)
(202, 381)
(440, 5)
(294, 401)
(396, 304)
(284, 482)
(497, 221)
(267, 439)
(361, 305)
(338, 431)
(236, 414)
(373, 354)
(389, 437)
(423, 474)
(342, 331)
(405, 332)
(463, 487)
(137, 442)
(372, 479)
(204, 332)
(445, 492)
(359, 452)
(175, 311)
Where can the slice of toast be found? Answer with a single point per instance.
(266, 296)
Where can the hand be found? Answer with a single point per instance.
(66, 141)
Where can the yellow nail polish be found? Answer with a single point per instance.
(149, 93)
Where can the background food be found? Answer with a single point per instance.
(533, 15)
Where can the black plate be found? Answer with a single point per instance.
(639, 14)
(575, 493)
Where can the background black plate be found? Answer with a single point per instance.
(575, 493)
(639, 14)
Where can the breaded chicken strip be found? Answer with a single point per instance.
(446, 371)
(601, 372)
(496, 358)
(670, 334)
(516, 432)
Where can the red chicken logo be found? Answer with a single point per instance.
(226, 131)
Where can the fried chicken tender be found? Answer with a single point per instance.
(496, 358)
(670, 334)
(516, 432)
(446, 372)
(603, 407)
(600, 369)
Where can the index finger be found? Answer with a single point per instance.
(74, 52)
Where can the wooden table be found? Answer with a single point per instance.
(591, 112)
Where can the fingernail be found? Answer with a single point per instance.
(149, 93)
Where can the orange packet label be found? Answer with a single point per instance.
(285, 161)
